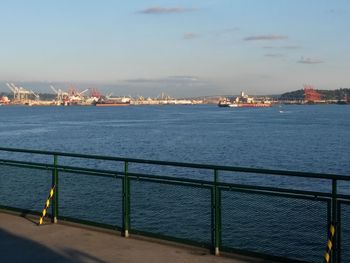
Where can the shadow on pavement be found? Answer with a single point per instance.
(18, 249)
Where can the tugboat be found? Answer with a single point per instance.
(224, 102)
(344, 101)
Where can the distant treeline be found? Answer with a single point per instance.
(47, 96)
(43, 96)
(339, 94)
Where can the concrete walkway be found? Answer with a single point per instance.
(21, 240)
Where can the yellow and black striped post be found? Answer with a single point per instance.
(47, 204)
(329, 247)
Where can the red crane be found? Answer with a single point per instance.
(310, 94)
(95, 93)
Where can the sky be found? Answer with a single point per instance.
(184, 48)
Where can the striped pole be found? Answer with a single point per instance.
(47, 204)
(327, 254)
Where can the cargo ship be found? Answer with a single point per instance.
(243, 101)
(110, 102)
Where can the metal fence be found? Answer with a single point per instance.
(273, 222)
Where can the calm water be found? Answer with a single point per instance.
(304, 138)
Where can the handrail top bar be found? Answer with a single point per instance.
(187, 165)
(173, 179)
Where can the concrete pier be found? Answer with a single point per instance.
(21, 240)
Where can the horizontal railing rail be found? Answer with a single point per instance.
(220, 207)
(186, 165)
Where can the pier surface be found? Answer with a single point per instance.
(21, 240)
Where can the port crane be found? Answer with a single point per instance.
(75, 96)
(12, 89)
(60, 94)
(310, 94)
(95, 93)
(37, 97)
(19, 93)
(72, 96)
(109, 95)
(81, 93)
(164, 96)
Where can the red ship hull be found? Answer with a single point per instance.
(253, 105)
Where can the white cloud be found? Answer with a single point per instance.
(190, 35)
(310, 61)
(274, 55)
(265, 37)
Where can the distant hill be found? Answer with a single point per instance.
(338, 94)
(293, 95)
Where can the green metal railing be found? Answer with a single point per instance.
(276, 223)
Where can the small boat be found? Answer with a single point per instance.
(342, 102)
(224, 103)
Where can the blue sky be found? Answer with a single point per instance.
(181, 47)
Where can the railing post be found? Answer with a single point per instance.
(335, 219)
(338, 233)
(54, 185)
(126, 201)
(217, 214)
